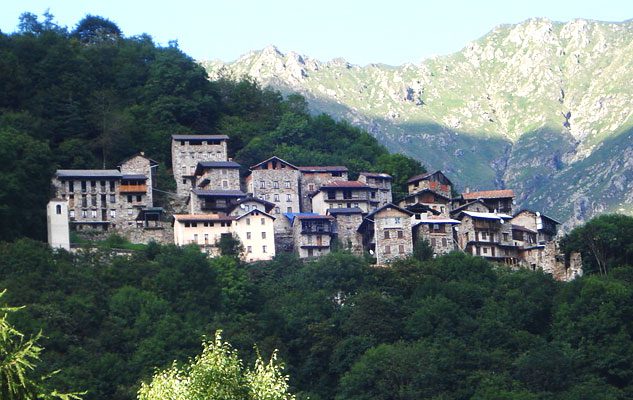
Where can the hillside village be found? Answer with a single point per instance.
(309, 210)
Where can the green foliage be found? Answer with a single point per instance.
(604, 242)
(217, 373)
(422, 250)
(230, 246)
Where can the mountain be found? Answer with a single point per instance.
(542, 107)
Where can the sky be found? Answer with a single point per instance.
(370, 31)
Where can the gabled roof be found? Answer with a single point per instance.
(140, 154)
(202, 165)
(522, 229)
(418, 208)
(388, 205)
(199, 137)
(427, 191)
(346, 185)
(536, 213)
(438, 175)
(219, 193)
(274, 158)
(344, 211)
(380, 175)
(254, 211)
(327, 168)
(489, 194)
(490, 215)
(268, 206)
(291, 216)
(458, 209)
(88, 173)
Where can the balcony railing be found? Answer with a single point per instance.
(133, 188)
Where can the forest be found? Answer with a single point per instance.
(98, 324)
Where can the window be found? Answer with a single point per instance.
(262, 184)
(248, 235)
(93, 185)
(195, 238)
(288, 197)
(84, 213)
(72, 214)
(386, 234)
(93, 201)
(263, 221)
(289, 209)
(264, 249)
(58, 209)
(112, 199)
(139, 197)
(263, 235)
(276, 197)
(311, 187)
(401, 249)
(275, 184)
(102, 185)
(485, 250)
(225, 184)
(249, 249)
(310, 252)
(387, 249)
(433, 242)
(112, 213)
(373, 195)
(400, 234)
(93, 213)
(248, 221)
(225, 171)
(206, 238)
(184, 181)
(129, 198)
(505, 237)
(276, 210)
(71, 186)
(397, 220)
(84, 200)
(83, 186)
(444, 242)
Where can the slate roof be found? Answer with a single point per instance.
(380, 175)
(427, 175)
(345, 210)
(522, 228)
(134, 177)
(202, 217)
(535, 212)
(219, 193)
(327, 168)
(215, 164)
(274, 158)
(199, 137)
(489, 194)
(88, 173)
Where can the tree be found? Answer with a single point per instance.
(18, 359)
(230, 246)
(218, 373)
(93, 29)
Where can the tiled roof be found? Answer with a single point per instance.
(376, 175)
(345, 185)
(224, 193)
(202, 217)
(327, 168)
(88, 173)
(489, 194)
(199, 137)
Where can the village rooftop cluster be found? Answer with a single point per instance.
(281, 207)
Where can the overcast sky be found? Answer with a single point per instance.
(370, 31)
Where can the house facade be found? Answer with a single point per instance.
(188, 150)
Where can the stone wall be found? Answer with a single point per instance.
(275, 185)
(141, 165)
(393, 247)
(220, 179)
(308, 245)
(441, 242)
(311, 182)
(346, 228)
(185, 157)
(382, 185)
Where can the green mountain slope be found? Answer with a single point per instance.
(527, 106)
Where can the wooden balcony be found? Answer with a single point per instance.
(133, 188)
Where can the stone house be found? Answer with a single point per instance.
(313, 177)
(387, 233)
(429, 198)
(138, 176)
(344, 194)
(437, 231)
(488, 235)
(217, 175)
(546, 227)
(276, 181)
(246, 204)
(497, 200)
(382, 183)
(345, 228)
(311, 233)
(475, 205)
(214, 201)
(188, 150)
(434, 181)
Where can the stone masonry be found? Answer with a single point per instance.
(188, 150)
